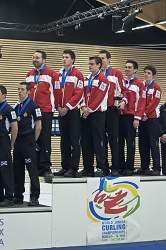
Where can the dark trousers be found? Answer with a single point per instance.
(149, 142)
(93, 140)
(112, 133)
(24, 153)
(44, 141)
(70, 132)
(126, 132)
(163, 154)
(6, 169)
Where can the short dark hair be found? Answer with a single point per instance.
(108, 55)
(97, 60)
(44, 56)
(71, 53)
(135, 64)
(3, 90)
(28, 87)
(151, 68)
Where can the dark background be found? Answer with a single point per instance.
(98, 32)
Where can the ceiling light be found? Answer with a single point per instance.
(161, 22)
(78, 26)
(137, 28)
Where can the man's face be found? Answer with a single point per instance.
(105, 60)
(38, 61)
(2, 97)
(148, 75)
(22, 92)
(67, 60)
(93, 67)
(129, 70)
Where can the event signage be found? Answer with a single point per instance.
(113, 206)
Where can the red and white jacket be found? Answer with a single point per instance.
(97, 99)
(43, 95)
(153, 97)
(134, 96)
(115, 78)
(72, 94)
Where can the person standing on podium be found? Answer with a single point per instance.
(42, 80)
(114, 77)
(149, 125)
(93, 107)
(68, 96)
(131, 110)
(24, 153)
(8, 120)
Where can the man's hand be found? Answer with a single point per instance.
(59, 109)
(86, 112)
(121, 105)
(144, 118)
(136, 124)
(63, 111)
(163, 138)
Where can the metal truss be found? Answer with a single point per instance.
(78, 17)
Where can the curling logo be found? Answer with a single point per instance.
(113, 199)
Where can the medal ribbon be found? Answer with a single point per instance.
(149, 86)
(36, 79)
(90, 81)
(21, 109)
(64, 76)
(131, 81)
(3, 105)
(107, 71)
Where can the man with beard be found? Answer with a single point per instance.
(41, 80)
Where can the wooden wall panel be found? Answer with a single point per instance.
(16, 61)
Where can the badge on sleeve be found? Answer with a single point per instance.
(57, 85)
(158, 94)
(38, 112)
(80, 84)
(13, 115)
(103, 86)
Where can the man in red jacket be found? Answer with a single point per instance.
(131, 108)
(149, 125)
(68, 96)
(114, 77)
(42, 80)
(93, 107)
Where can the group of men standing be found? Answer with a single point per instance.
(112, 109)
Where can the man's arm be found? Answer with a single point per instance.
(14, 131)
(38, 128)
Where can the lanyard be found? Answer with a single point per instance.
(21, 109)
(107, 71)
(36, 79)
(64, 76)
(149, 86)
(3, 105)
(90, 81)
(131, 81)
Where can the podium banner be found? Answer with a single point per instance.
(113, 210)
